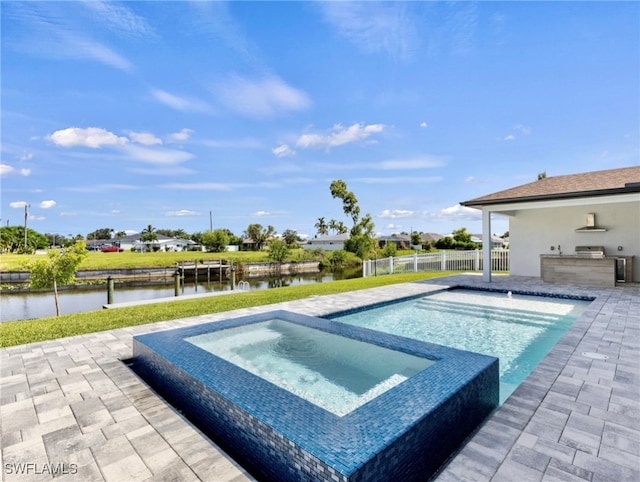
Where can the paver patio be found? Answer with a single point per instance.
(70, 408)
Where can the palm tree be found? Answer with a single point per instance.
(321, 226)
(148, 236)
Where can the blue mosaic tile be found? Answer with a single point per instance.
(405, 433)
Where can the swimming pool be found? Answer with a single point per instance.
(404, 432)
(517, 328)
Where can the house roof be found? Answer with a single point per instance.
(588, 184)
(431, 236)
(331, 238)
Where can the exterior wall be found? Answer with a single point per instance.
(534, 231)
(327, 246)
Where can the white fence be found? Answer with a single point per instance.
(439, 261)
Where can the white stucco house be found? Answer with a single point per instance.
(328, 243)
(600, 208)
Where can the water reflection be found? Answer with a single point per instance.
(22, 306)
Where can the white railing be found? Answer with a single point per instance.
(439, 261)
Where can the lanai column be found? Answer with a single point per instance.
(486, 244)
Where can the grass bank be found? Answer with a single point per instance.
(130, 259)
(30, 331)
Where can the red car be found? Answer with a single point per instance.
(111, 249)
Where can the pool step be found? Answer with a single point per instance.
(495, 313)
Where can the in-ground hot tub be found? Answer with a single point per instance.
(293, 397)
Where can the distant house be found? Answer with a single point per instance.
(496, 241)
(430, 237)
(164, 243)
(561, 213)
(133, 242)
(328, 243)
(402, 241)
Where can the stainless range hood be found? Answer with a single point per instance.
(591, 225)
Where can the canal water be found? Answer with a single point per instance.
(28, 305)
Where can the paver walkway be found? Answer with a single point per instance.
(71, 409)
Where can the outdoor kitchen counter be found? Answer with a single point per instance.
(578, 269)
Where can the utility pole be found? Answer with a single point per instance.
(26, 215)
(210, 220)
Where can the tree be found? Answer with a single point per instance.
(350, 206)
(416, 240)
(148, 236)
(215, 241)
(461, 235)
(338, 258)
(259, 235)
(290, 237)
(278, 251)
(361, 235)
(389, 249)
(58, 269)
(321, 226)
(102, 233)
(12, 240)
(542, 175)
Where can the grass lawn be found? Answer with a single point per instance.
(129, 259)
(29, 331)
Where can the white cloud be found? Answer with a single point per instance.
(393, 227)
(47, 204)
(93, 137)
(510, 137)
(18, 204)
(339, 135)
(120, 19)
(180, 136)
(261, 213)
(25, 172)
(283, 151)
(261, 98)
(102, 188)
(157, 156)
(181, 213)
(74, 46)
(396, 213)
(145, 138)
(423, 124)
(469, 179)
(6, 169)
(374, 26)
(459, 212)
(180, 103)
(524, 129)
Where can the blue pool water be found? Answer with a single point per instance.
(334, 372)
(518, 329)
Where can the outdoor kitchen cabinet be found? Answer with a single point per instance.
(578, 269)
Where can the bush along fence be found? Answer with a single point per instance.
(438, 261)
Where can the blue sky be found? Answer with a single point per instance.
(125, 114)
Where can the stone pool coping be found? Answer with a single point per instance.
(72, 405)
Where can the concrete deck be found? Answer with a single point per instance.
(72, 409)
